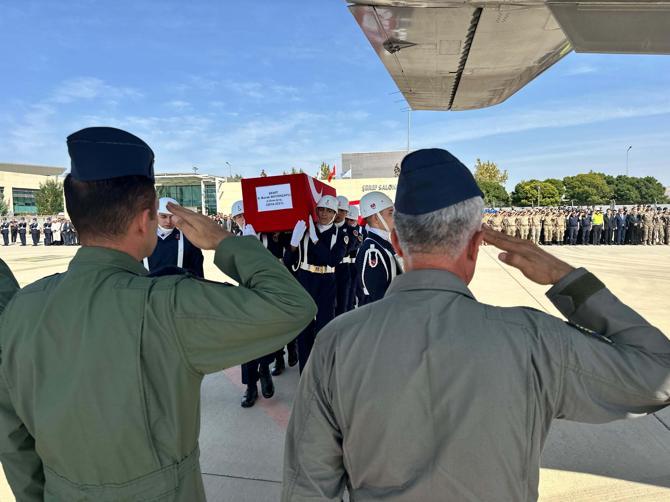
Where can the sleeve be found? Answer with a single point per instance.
(22, 466)
(615, 365)
(196, 261)
(313, 455)
(218, 326)
(8, 285)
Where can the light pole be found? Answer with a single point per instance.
(230, 171)
(538, 195)
(627, 152)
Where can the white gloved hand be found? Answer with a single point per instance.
(249, 230)
(312, 231)
(298, 233)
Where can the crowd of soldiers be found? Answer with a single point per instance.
(56, 231)
(636, 225)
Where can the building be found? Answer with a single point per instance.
(371, 164)
(19, 182)
(199, 192)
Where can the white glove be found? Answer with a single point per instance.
(298, 233)
(312, 231)
(249, 230)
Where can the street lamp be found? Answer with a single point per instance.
(230, 171)
(538, 195)
(627, 152)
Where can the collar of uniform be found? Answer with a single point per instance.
(106, 257)
(380, 240)
(427, 279)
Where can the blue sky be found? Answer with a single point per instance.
(273, 84)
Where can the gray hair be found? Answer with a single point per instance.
(445, 231)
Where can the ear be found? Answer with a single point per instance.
(473, 245)
(144, 220)
(395, 241)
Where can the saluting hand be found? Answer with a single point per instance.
(198, 228)
(535, 263)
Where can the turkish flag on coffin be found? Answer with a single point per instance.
(276, 203)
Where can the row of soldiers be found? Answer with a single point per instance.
(638, 225)
(56, 231)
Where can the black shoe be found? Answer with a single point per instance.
(279, 366)
(292, 356)
(267, 385)
(250, 396)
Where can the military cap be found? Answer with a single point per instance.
(100, 153)
(432, 179)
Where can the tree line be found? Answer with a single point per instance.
(590, 188)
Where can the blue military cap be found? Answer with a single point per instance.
(100, 153)
(432, 179)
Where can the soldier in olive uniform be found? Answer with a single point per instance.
(100, 400)
(560, 227)
(8, 287)
(549, 225)
(536, 227)
(459, 407)
(523, 224)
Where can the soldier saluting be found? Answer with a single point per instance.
(100, 400)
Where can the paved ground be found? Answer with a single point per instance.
(242, 449)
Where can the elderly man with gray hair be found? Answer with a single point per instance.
(429, 394)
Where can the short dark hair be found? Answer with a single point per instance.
(106, 207)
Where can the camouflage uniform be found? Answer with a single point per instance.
(536, 227)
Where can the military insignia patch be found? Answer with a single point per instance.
(355, 233)
(373, 261)
(346, 239)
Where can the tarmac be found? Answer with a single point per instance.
(242, 449)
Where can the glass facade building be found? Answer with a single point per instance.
(24, 201)
(190, 191)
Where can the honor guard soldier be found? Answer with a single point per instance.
(174, 253)
(13, 229)
(22, 226)
(48, 233)
(429, 395)
(376, 263)
(100, 400)
(4, 229)
(259, 368)
(356, 239)
(342, 270)
(314, 251)
(35, 232)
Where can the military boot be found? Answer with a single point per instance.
(250, 396)
(267, 385)
(292, 354)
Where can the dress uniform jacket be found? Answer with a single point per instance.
(102, 365)
(8, 285)
(166, 255)
(377, 266)
(466, 410)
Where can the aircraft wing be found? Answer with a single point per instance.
(468, 54)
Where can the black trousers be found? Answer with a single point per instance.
(251, 371)
(597, 234)
(36, 238)
(323, 290)
(14, 232)
(48, 238)
(22, 236)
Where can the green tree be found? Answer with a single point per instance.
(489, 171)
(535, 192)
(4, 207)
(560, 186)
(590, 188)
(651, 190)
(49, 197)
(494, 193)
(624, 189)
(324, 171)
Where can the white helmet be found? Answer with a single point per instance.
(343, 203)
(353, 213)
(374, 202)
(237, 209)
(162, 204)
(329, 202)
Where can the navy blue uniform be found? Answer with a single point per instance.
(5, 232)
(35, 232)
(314, 265)
(376, 266)
(166, 254)
(573, 229)
(586, 224)
(22, 232)
(343, 275)
(48, 233)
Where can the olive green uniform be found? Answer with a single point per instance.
(467, 408)
(8, 285)
(536, 227)
(102, 365)
(549, 223)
